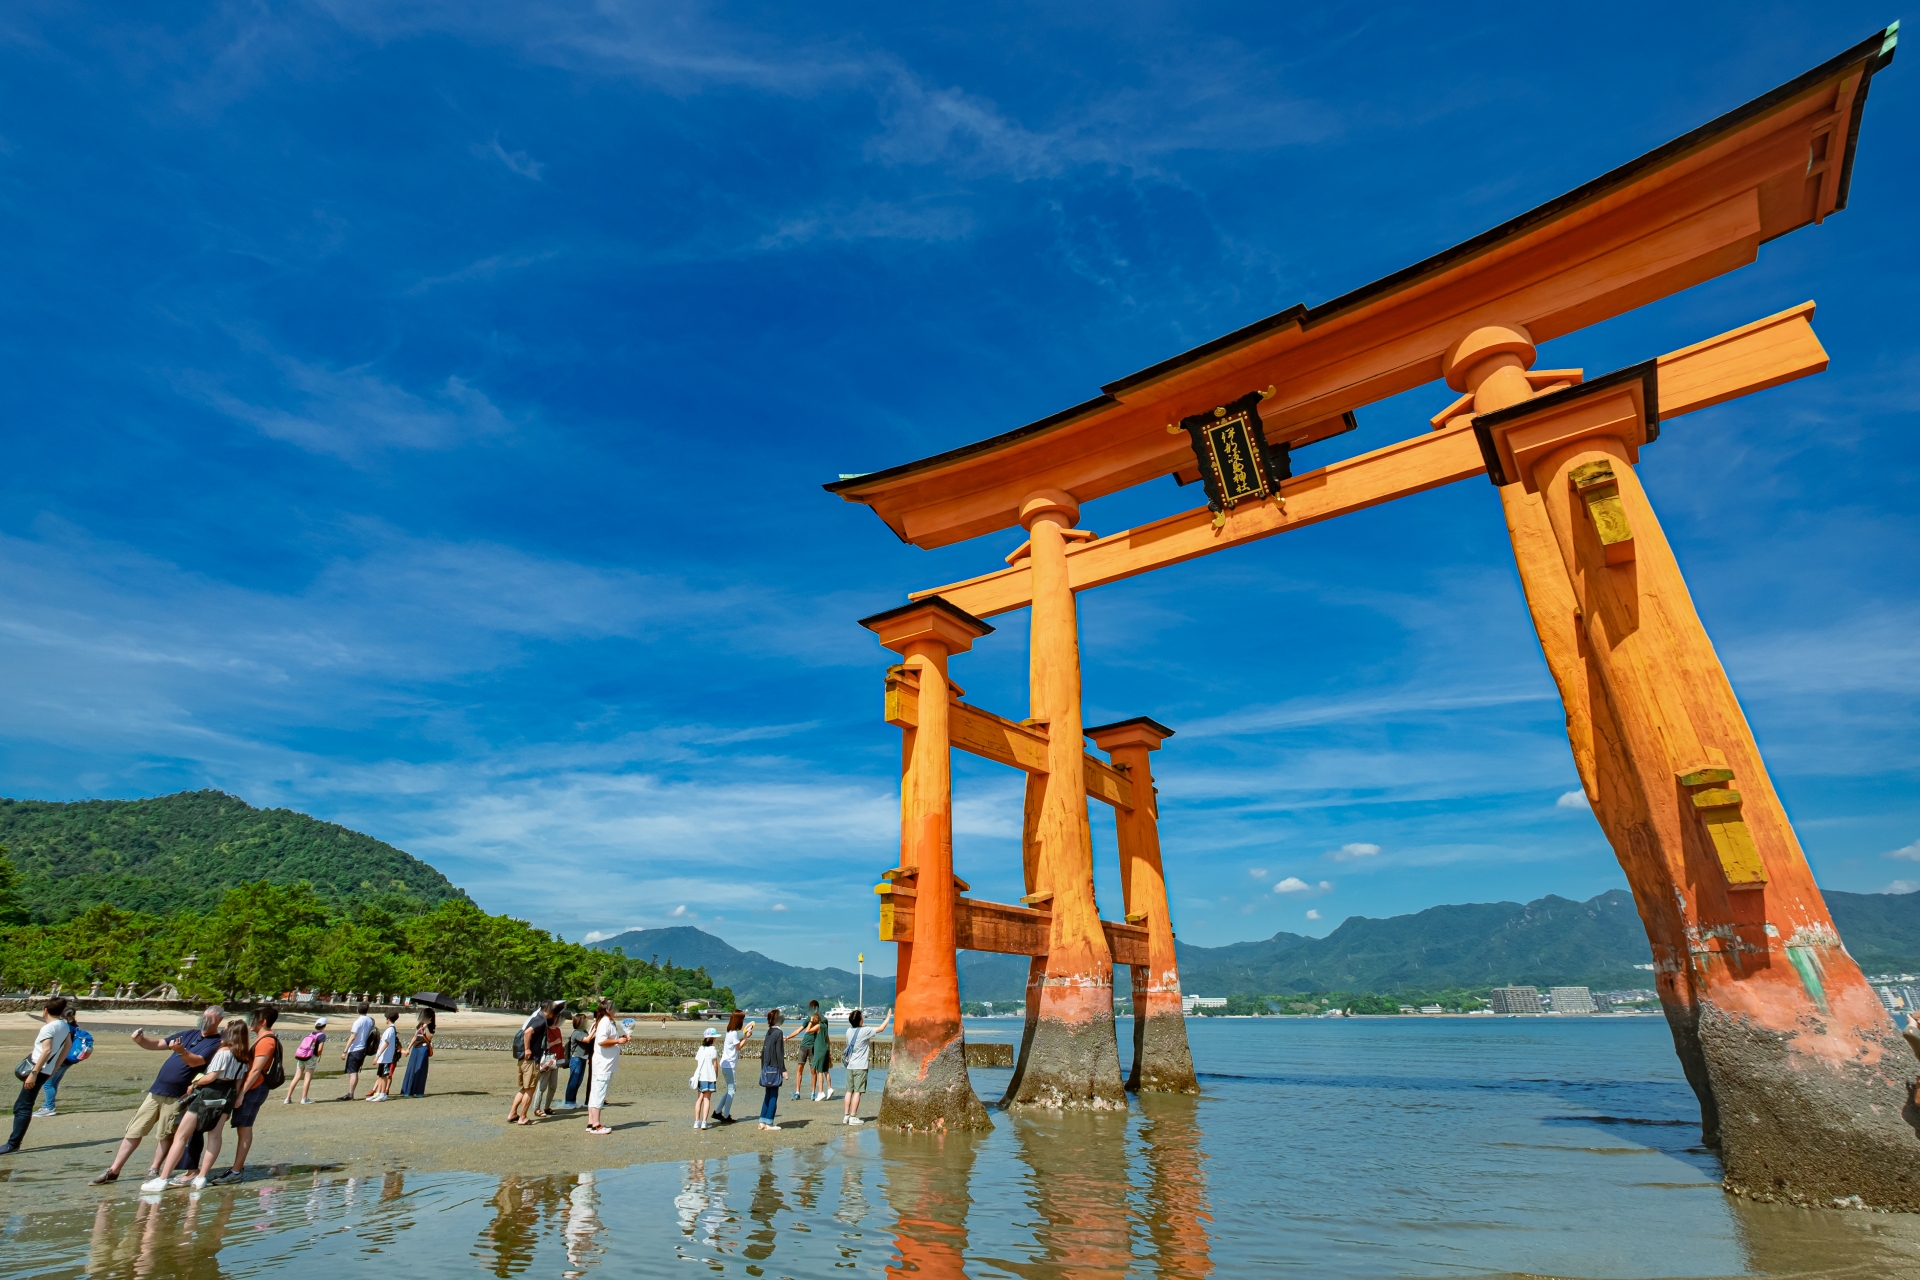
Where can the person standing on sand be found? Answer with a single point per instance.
(706, 1074)
(579, 1059)
(48, 1053)
(306, 1057)
(739, 1031)
(385, 1058)
(191, 1050)
(551, 1056)
(208, 1103)
(529, 1047)
(419, 1051)
(773, 1069)
(79, 1049)
(809, 1027)
(253, 1091)
(608, 1036)
(359, 1039)
(822, 1061)
(858, 1056)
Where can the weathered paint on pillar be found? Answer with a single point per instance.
(1071, 1058)
(1805, 1066)
(927, 1085)
(1162, 1060)
(1491, 363)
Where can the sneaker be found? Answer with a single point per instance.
(855, 1120)
(198, 1182)
(44, 1112)
(154, 1185)
(181, 1179)
(827, 1096)
(378, 1097)
(306, 1102)
(224, 1177)
(102, 1179)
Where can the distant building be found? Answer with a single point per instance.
(1898, 999)
(1431, 1008)
(1571, 1000)
(1513, 1000)
(1189, 1003)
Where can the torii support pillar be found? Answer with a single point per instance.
(1801, 1058)
(927, 1086)
(1069, 1057)
(1162, 1062)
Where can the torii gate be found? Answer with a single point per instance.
(1789, 1051)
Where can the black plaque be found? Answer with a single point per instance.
(1236, 462)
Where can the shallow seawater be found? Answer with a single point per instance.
(1357, 1148)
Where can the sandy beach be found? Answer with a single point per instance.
(459, 1125)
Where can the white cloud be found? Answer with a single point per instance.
(1294, 884)
(1350, 852)
(1313, 914)
(516, 161)
(871, 220)
(1258, 873)
(1910, 852)
(679, 911)
(1575, 799)
(1902, 886)
(779, 906)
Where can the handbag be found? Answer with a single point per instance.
(769, 1078)
(24, 1070)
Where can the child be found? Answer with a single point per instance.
(305, 1058)
(209, 1099)
(384, 1060)
(706, 1075)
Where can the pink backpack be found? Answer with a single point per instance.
(309, 1045)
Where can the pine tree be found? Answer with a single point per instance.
(12, 910)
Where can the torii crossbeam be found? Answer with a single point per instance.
(1795, 1063)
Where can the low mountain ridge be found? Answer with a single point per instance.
(183, 852)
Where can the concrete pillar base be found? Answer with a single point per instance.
(1162, 1062)
(938, 1098)
(1069, 1065)
(1812, 1133)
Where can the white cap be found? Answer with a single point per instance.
(711, 1031)
(319, 1022)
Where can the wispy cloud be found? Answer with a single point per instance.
(871, 220)
(1354, 852)
(515, 161)
(1911, 852)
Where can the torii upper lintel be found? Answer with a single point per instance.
(1682, 214)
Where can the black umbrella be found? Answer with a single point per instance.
(434, 1000)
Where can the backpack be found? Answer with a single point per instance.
(309, 1045)
(277, 1072)
(80, 1047)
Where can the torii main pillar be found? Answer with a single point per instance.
(1070, 1057)
(1162, 1061)
(1801, 1064)
(927, 1086)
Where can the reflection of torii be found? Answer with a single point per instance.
(1783, 1041)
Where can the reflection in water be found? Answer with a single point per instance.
(1178, 1214)
(767, 1203)
(1078, 1186)
(180, 1236)
(583, 1227)
(514, 1233)
(927, 1179)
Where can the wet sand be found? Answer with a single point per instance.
(460, 1124)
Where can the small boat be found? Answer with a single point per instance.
(839, 1013)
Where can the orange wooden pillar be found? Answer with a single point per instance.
(927, 1085)
(1069, 1057)
(1492, 363)
(1162, 1062)
(1802, 1060)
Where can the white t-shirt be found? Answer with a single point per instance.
(859, 1047)
(61, 1034)
(605, 1057)
(705, 1064)
(389, 1045)
(730, 1051)
(360, 1035)
(224, 1066)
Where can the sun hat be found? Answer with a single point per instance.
(711, 1031)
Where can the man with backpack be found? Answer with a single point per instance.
(306, 1059)
(359, 1041)
(265, 1073)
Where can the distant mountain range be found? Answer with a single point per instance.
(183, 852)
(1551, 941)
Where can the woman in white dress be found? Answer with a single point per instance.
(608, 1036)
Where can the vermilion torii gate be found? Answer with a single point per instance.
(1793, 1059)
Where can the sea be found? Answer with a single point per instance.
(1363, 1147)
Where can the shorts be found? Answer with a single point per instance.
(250, 1106)
(354, 1058)
(856, 1080)
(706, 1086)
(155, 1109)
(529, 1072)
(384, 1070)
(304, 1064)
(209, 1106)
(597, 1091)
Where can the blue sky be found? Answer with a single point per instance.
(416, 414)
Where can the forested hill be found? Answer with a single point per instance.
(183, 852)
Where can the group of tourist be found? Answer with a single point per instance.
(714, 1063)
(589, 1047)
